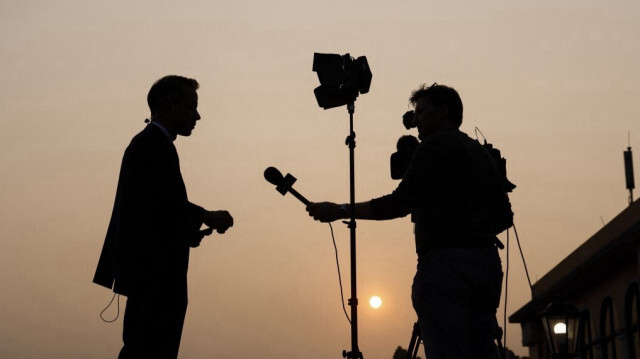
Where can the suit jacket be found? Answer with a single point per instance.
(153, 224)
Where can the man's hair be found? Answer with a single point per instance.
(440, 95)
(169, 88)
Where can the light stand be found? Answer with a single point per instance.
(353, 301)
(342, 78)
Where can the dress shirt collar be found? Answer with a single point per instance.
(165, 131)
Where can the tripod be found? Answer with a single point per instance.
(414, 343)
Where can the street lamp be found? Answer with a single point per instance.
(560, 322)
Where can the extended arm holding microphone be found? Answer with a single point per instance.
(329, 211)
(322, 211)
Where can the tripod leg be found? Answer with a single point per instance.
(415, 351)
(414, 343)
(501, 350)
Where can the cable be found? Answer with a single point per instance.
(482, 134)
(506, 294)
(107, 307)
(506, 280)
(339, 276)
(524, 262)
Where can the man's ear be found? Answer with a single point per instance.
(165, 108)
(442, 112)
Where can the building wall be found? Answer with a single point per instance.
(610, 286)
(606, 301)
(614, 287)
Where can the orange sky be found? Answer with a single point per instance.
(553, 84)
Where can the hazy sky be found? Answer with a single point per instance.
(554, 84)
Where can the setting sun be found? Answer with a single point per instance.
(375, 302)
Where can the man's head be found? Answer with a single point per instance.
(436, 106)
(173, 102)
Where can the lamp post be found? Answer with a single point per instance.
(560, 322)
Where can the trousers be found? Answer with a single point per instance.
(456, 293)
(153, 322)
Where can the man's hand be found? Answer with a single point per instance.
(326, 211)
(218, 220)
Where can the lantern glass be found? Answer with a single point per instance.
(561, 326)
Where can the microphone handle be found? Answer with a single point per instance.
(299, 196)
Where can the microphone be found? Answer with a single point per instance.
(283, 184)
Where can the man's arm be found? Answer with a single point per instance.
(218, 220)
(386, 207)
(397, 204)
(329, 212)
(154, 179)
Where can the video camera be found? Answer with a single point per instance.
(407, 144)
(405, 147)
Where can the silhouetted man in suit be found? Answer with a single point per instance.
(452, 189)
(145, 255)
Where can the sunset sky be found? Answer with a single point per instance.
(555, 84)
